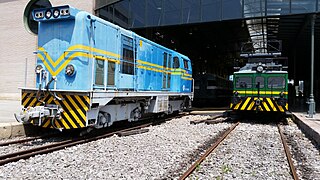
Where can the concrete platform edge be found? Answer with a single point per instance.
(308, 127)
(9, 130)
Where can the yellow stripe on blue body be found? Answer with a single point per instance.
(86, 51)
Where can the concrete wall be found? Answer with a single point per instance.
(17, 45)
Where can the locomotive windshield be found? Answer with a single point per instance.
(243, 82)
(276, 82)
(260, 80)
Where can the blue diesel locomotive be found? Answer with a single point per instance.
(92, 73)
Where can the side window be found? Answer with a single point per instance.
(276, 82)
(127, 64)
(261, 81)
(165, 59)
(185, 63)
(243, 82)
(99, 73)
(176, 63)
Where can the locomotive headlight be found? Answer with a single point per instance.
(281, 94)
(259, 68)
(236, 93)
(70, 70)
(56, 13)
(48, 14)
(38, 69)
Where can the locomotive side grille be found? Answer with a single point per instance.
(266, 104)
(74, 108)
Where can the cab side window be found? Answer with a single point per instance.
(185, 63)
(127, 63)
(176, 63)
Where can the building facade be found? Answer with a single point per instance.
(260, 19)
(17, 60)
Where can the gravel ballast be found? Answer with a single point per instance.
(306, 155)
(252, 151)
(152, 155)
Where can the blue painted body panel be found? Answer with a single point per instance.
(89, 43)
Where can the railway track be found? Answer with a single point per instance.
(24, 154)
(12, 157)
(209, 150)
(287, 151)
(223, 136)
(27, 139)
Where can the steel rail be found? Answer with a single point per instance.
(289, 158)
(7, 158)
(209, 150)
(26, 139)
(4, 159)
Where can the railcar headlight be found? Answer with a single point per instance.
(48, 14)
(236, 93)
(281, 94)
(38, 69)
(56, 13)
(259, 68)
(70, 70)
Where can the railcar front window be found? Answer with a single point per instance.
(260, 80)
(243, 82)
(276, 82)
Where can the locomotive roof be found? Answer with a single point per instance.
(132, 34)
(268, 68)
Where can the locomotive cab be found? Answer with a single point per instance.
(260, 87)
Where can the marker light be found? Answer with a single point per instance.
(39, 15)
(64, 12)
(259, 68)
(56, 13)
(70, 70)
(48, 14)
(38, 69)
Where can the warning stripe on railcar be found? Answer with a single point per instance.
(74, 107)
(266, 104)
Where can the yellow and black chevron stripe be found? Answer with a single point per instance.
(74, 107)
(266, 104)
